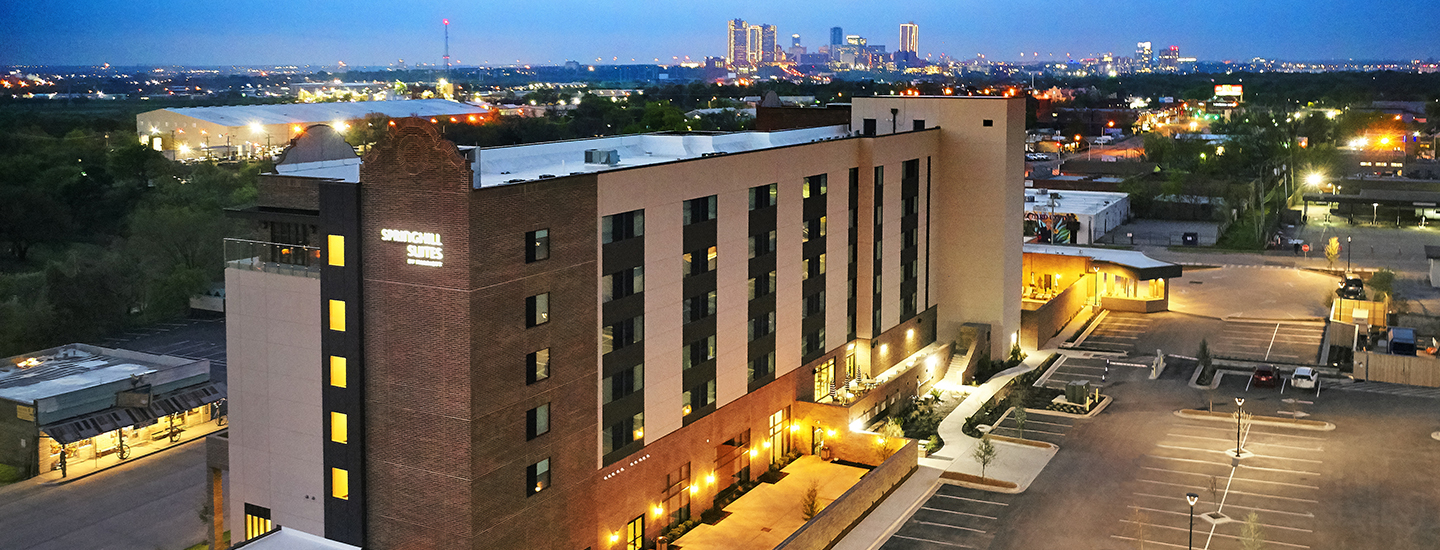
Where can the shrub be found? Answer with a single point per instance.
(9, 474)
(810, 503)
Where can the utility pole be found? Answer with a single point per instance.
(447, 47)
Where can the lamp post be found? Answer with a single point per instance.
(1374, 212)
(1239, 410)
(1192, 498)
(1348, 239)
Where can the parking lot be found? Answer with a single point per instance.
(1039, 426)
(201, 338)
(954, 517)
(1117, 332)
(1286, 342)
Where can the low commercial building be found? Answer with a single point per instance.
(1060, 281)
(86, 403)
(585, 344)
(1073, 217)
(244, 130)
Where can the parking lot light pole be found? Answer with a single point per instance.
(1239, 410)
(1192, 498)
(1348, 239)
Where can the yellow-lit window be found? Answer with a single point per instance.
(339, 483)
(337, 315)
(337, 250)
(337, 371)
(338, 428)
(256, 526)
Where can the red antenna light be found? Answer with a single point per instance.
(447, 21)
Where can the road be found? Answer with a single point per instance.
(152, 503)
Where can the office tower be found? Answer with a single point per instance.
(769, 47)
(837, 36)
(796, 50)
(1144, 57)
(581, 344)
(909, 37)
(737, 45)
(1169, 59)
(754, 39)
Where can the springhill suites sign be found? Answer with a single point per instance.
(420, 248)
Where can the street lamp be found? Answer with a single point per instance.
(1348, 239)
(1374, 211)
(1239, 410)
(1315, 180)
(1192, 498)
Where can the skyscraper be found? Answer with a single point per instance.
(769, 48)
(1169, 59)
(1144, 56)
(909, 37)
(754, 43)
(794, 40)
(737, 45)
(837, 36)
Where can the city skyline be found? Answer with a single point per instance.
(373, 34)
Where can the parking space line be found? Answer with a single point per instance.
(1226, 465)
(957, 545)
(1248, 442)
(1236, 479)
(1177, 447)
(1028, 422)
(1030, 431)
(1233, 491)
(957, 513)
(1228, 430)
(1132, 539)
(1069, 366)
(972, 499)
(962, 528)
(1228, 505)
(1212, 534)
(1303, 530)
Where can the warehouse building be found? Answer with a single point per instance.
(255, 130)
(583, 344)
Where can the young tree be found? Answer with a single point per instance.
(1332, 250)
(810, 503)
(891, 438)
(1252, 535)
(1020, 418)
(985, 454)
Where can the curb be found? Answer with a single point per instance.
(945, 478)
(1094, 323)
(1214, 382)
(1312, 425)
(1104, 402)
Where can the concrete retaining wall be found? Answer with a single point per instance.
(832, 523)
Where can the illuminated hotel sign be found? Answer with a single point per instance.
(420, 248)
(1229, 90)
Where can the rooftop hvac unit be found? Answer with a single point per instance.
(1029, 198)
(602, 156)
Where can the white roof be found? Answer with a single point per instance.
(501, 165)
(1131, 258)
(312, 113)
(292, 539)
(1072, 202)
(57, 371)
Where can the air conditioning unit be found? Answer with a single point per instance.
(602, 156)
(1029, 198)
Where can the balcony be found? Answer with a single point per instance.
(283, 259)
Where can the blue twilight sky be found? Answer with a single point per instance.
(376, 32)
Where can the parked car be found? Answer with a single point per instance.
(1351, 288)
(1264, 377)
(1304, 378)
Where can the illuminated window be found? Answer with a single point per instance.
(257, 521)
(537, 310)
(537, 245)
(337, 315)
(339, 431)
(699, 210)
(814, 186)
(537, 366)
(337, 250)
(337, 371)
(537, 477)
(340, 484)
(635, 534)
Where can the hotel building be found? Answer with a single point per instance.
(579, 344)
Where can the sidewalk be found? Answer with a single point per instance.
(1018, 464)
(85, 468)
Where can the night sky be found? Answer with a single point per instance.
(376, 32)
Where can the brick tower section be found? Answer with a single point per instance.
(417, 326)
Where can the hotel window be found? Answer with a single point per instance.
(813, 229)
(537, 310)
(624, 432)
(813, 343)
(697, 397)
(337, 371)
(910, 169)
(537, 245)
(763, 244)
(812, 267)
(761, 367)
(626, 282)
(910, 206)
(339, 429)
(257, 521)
(699, 210)
(537, 421)
(698, 352)
(623, 383)
(909, 238)
(815, 304)
(635, 534)
(762, 286)
(337, 315)
(537, 477)
(699, 307)
(908, 305)
(622, 226)
(763, 196)
(340, 484)
(336, 252)
(910, 269)
(814, 186)
(677, 494)
(700, 261)
(621, 334)
(760, 326)
(537, 366)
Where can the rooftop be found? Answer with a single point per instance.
(1127, 258)
(309, 113)
(514, 164)
(72, 367)
(1071, 202)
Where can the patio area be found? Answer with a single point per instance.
(764, 517)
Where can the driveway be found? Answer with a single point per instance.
(1253, 292)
